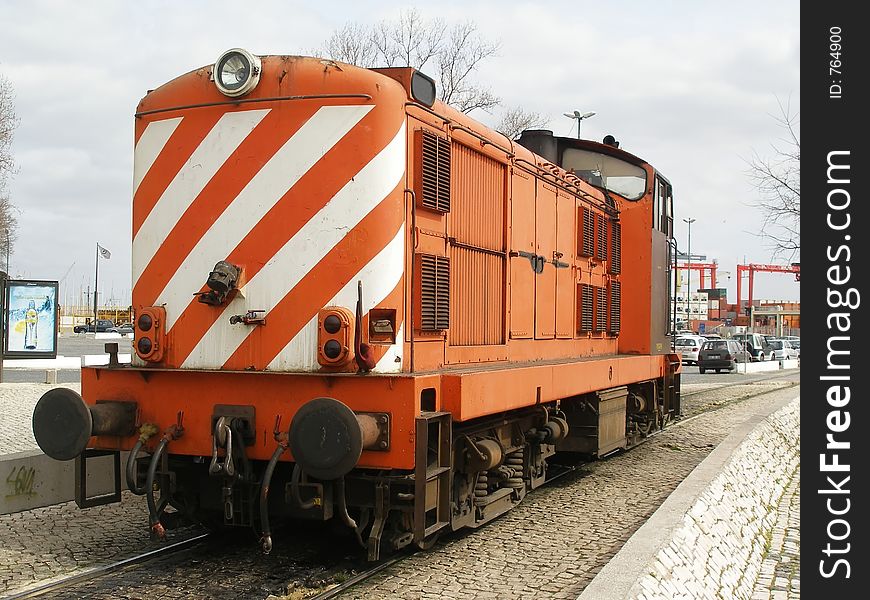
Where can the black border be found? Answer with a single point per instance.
(16, 354)
(830, 124)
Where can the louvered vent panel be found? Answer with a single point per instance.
(436, 172)
(600, 309)
(478, 298)
(615, 306)
(434, 292)
(615, 264)
(585, 308)
(587, 227)
(477, 204)
(601, 239)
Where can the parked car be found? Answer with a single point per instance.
(688, 346)
(796, 344)
(783, 350)
(103, 326)
(722, 355)
(124, 328)
(758, 346)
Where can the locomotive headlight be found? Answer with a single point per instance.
(236, 72)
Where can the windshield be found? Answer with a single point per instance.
(777, 345)
(600, 170)
(716, 345)
(686, 342)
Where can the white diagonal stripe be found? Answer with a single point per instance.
(149, 146)
(298, 154)
(391, 361)
(214, 150)
(303, 251)
(380, 277)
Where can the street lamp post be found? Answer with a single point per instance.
(579, 116)
(689, 269)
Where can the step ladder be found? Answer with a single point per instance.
(432, 474)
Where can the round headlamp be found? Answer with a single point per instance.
(236, 72)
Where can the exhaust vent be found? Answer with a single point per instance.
(434, 174)
(600, 309)
(434, 292)
(615, 263)
(584, 297)
(601, 241)
(615, 306)
(587, 228)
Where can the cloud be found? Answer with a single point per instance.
(690, 86)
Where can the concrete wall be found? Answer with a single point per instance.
(31, 480)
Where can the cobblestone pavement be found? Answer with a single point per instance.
(44, 543)
(540, 549)
(780, 577)
(16, 409)
(537, 550)
(697, 397)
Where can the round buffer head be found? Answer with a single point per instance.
(326, 438)
(62, 424)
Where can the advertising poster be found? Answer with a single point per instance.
(30, 319)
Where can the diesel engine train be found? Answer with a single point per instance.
(354, 302)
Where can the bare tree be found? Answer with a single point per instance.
(463, 52)
(515, 120)
(8, 122)
(450, 54)
(352, 44)
(777, 179)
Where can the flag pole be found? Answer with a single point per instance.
(96, 279)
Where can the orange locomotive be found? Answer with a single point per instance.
(352, 295)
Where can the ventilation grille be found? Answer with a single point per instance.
(585, 309)
(434, 292)
(601, 245)
(600, 309)
(615, 306)
(435, 177)
(615, 263)
(587, 241)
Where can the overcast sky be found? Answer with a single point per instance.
(693, 87)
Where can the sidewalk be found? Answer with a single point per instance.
(729, 530)
(780, 577)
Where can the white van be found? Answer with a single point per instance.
(688, 347)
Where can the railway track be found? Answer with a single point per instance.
(57, 586)
(320, 574)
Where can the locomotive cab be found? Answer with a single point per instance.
(645, 202)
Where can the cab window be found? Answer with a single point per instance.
(663, 207)
(602, 170)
